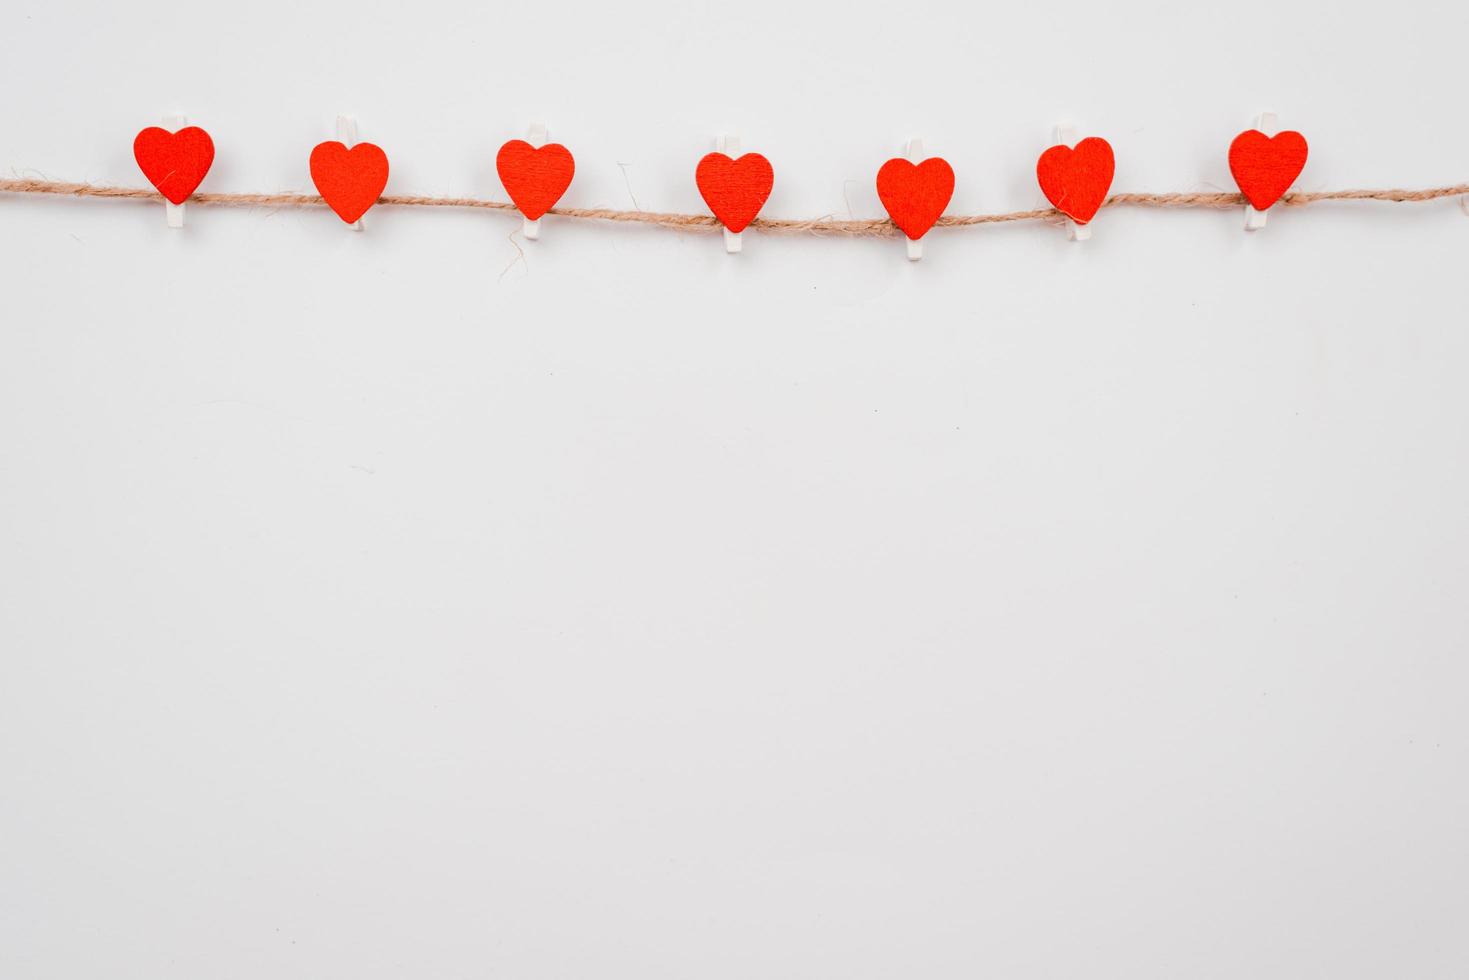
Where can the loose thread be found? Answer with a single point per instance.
(876, 227)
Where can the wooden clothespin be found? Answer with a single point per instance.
(347, 136)
(535, 174)
(1065, 135)
(915, 156)
(1265, 166)
(729, 145)
(175, 160)
(1265, 122)
(915, 191)
(735, 186)
(1076, 175)
(349, 176)
(536, 136)
(174, 212)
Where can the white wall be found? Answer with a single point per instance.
(385, 605)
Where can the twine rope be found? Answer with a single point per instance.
(872, 228)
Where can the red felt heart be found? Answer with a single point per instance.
(735, 190)
(534, 177)
(1264, 167)
(1075, 179)
(352, 180)
(174, 163)
(915, 194)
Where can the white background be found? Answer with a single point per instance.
(389, 605)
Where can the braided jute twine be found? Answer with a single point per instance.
(877, 227)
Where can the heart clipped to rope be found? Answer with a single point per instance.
(534, 177)
(350, 181)
(175, 163)
(1075, 179)
(735, 189)
(1264, 167)
(915, 194)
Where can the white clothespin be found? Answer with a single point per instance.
(175, 212)
(1255, 220)
(347, 136)
(1066, 136)
(536, 137)
(730, 147)
(915, 156)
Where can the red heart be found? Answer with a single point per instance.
(735, 190)
(352, 180)
(534, 177)
(174, 163)
(1264, 167)
(915, 194)
(1076, 179)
